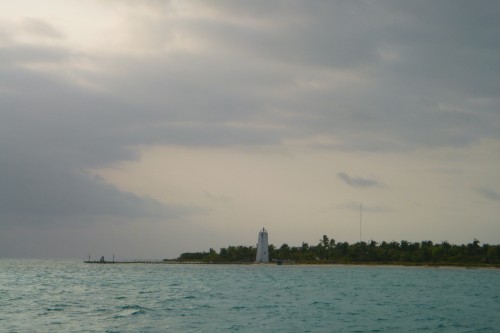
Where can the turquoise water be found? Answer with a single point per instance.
(70, 296)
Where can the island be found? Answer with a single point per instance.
(328, 251)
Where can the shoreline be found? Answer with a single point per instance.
(361, 264)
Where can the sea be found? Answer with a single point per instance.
(71, 296)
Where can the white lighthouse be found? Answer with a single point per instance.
(262, 247)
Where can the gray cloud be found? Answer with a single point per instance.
(409, 66)
(358, 181)
(38, 191)
(489, 193)
(41, 28)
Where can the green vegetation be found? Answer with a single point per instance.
(329, 251)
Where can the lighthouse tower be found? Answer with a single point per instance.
(262, 247)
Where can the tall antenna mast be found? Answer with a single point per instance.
(360, 219)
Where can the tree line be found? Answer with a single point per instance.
(330, 251)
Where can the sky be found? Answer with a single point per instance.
(151, 128)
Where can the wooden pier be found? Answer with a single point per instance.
(126, 262)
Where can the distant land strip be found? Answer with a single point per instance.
(328, 251)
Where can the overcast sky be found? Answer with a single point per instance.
(151, 128)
